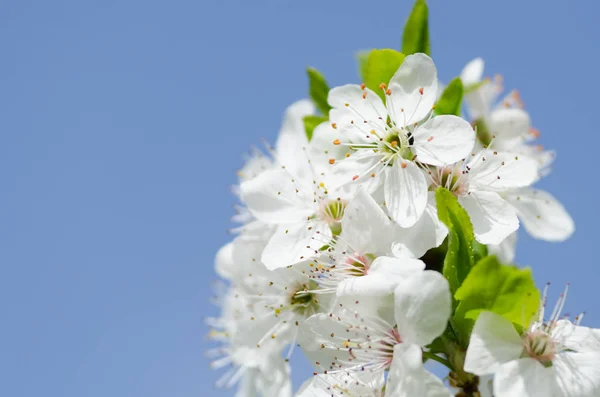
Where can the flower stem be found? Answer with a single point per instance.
(441, 360)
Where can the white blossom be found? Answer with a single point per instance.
(299, 199)
(478, 184)
(551, 358)
(389, 141)
(361, 335)
(506, 126)
(334, 249)
(361, 260)
(254, 372)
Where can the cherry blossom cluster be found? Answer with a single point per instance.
(353, 243)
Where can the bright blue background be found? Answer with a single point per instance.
(122, 124)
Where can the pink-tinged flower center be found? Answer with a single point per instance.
(454, 179)
(359, 265)
(540, 346)
(387, 345)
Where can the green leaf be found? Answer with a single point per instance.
(379, 68)
(501, 289)
(480, 251)
(416, 31)
(459, 258)
(451, 99)
(310, 123)
(318, 90)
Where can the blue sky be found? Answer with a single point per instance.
(122, 124)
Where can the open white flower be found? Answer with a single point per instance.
(299, 199)
(389, 139)
(256, 372)
(278, 300)
(508, 127)
(306, 212)
(478, 183)
(353, 339)
(481, 94)
(501, 121)
(552, 358)
(291, 137)
(406, 378)
(360, 260)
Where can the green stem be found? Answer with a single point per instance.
(441, 360)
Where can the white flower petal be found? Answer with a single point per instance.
(480, 100)
(365, 384)
(472, 73)
(368, 285)
(575, 337)
(435, 387)
(349, 128)
(255, 163)
(363, 107)
(422, 307)
(244, 350)
(292, 243)
(321, 147)
(365, 227)
(382, 278)
(413, 90)
(494, 341)
(316, 386)
(224, 261)
(405, 192)
(443, 140)
(578, 374)
(542, 215)
(505, 251)
(246, 255)
(525, 377)
(427, 233)
(317, 343)
(492, 217)
(396, 268)
(271, 197)
(368, 306)
(486, 386)
(509, 123)
(292, 136)
(362, 170)
(407, 375)
(544, 158)
(501, 170)
(292, 139)
(273, 379)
